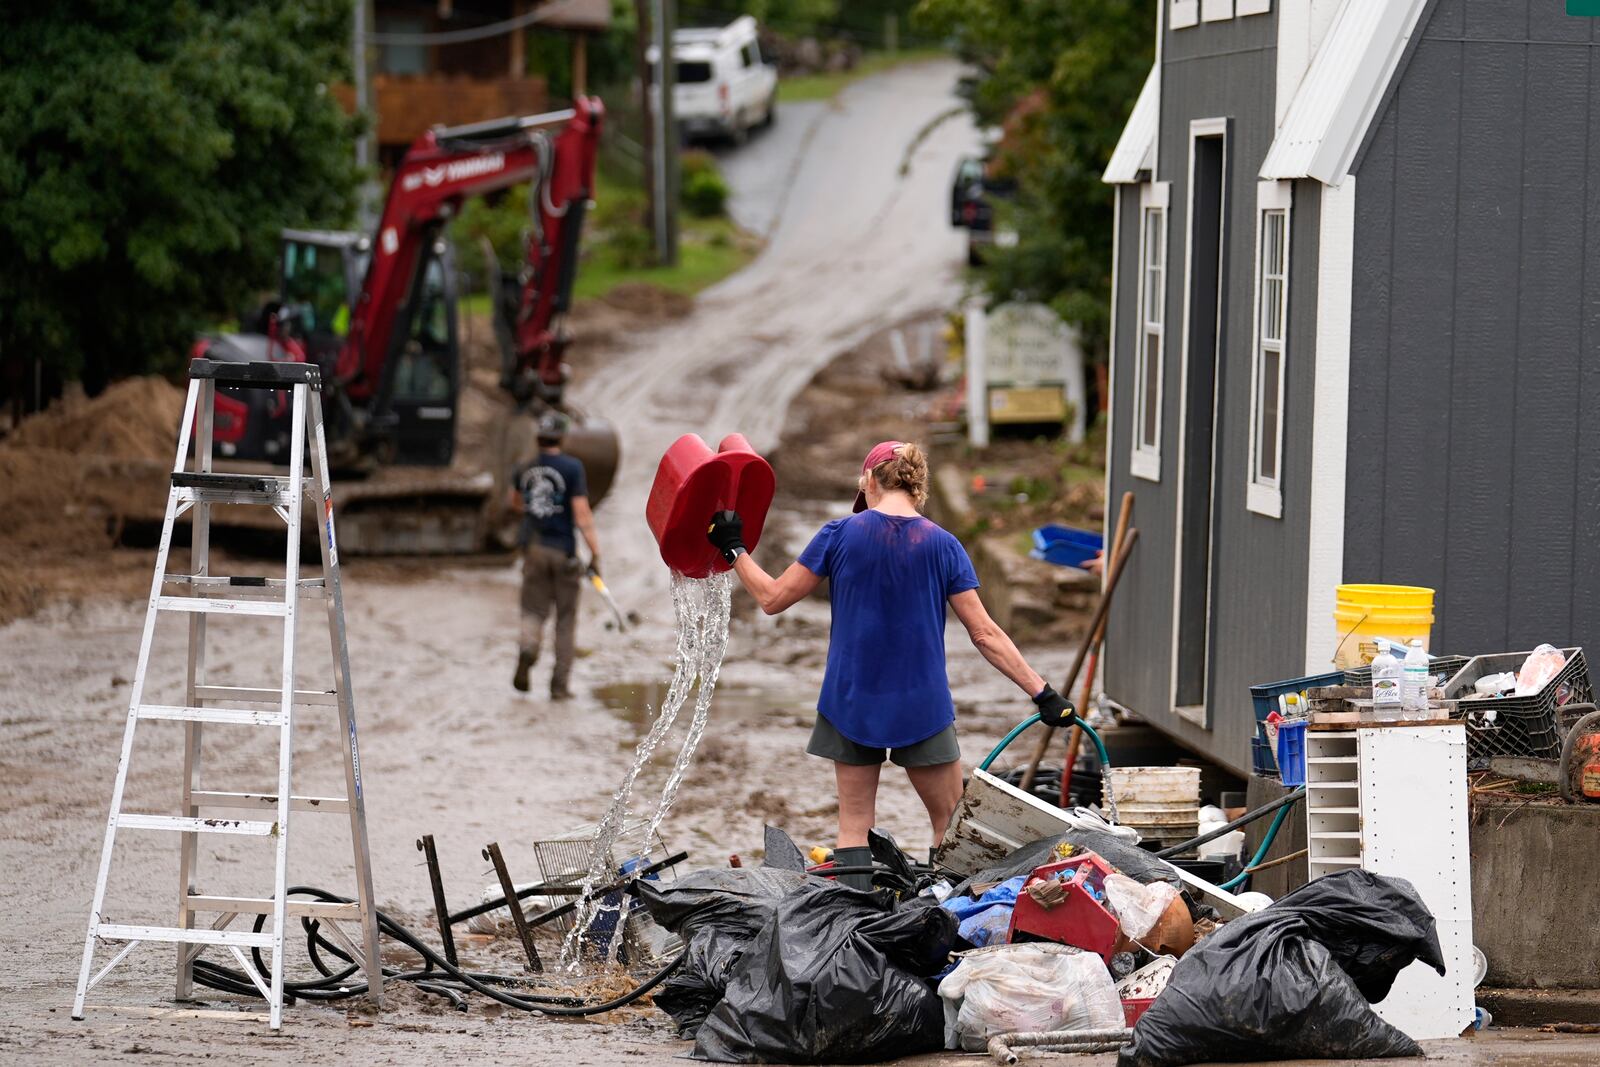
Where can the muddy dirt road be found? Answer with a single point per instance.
(857, 242)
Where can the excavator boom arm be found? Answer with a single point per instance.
(444, 167)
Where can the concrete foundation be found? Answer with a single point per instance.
(1536, 893)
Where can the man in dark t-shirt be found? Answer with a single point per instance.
(553, 495)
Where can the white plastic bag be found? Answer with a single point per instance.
(1027, 987)
(1542, 664)
(1138, 907)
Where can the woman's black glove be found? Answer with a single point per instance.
(1054, 709)
(727, 534)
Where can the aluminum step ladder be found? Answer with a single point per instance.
(200, 595)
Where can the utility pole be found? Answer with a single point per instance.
(358, 62)
(647, 134)
(664, 176)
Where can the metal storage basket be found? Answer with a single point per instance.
(564, 861)
(1517, 725)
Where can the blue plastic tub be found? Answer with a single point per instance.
(1292, 753)
(1066, 546)
(1266, 696)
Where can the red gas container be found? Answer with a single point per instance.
(692, 484)
(1082, 919)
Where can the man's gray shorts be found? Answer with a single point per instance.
(829, 743)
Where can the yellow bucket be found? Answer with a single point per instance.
(1363, 613)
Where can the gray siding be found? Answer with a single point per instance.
(1474, 370)
(1259, 565)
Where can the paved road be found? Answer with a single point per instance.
(850, 196)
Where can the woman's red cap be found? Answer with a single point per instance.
(882, 452)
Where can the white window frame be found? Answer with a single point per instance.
(1185, 13)
(1145, 459)
(1264, 496)
(1216, 10)
(1252, 7)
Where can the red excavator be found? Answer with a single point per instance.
(378, 314)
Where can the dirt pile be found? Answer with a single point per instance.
(70, 477)
(136, 418)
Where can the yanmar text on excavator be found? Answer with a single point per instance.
(378, 313)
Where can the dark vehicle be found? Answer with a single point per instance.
(973, 193)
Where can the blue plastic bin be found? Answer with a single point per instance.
(1292, 752)
(1265, 698)
(1066, 546)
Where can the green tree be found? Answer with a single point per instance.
(150, 153)
(1060, 78)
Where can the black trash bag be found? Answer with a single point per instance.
(836, 976)
(781, 851)
(716, 912)
(1294, 980)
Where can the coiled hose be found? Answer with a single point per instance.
(438, 975)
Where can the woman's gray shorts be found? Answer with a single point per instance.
(829, 743)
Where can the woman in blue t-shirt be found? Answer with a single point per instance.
(891, 572)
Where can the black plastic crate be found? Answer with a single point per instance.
(1520, 725)
(1437, 665)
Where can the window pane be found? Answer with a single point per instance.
(1272, 310)
(1267, 443)
(1274, 262)
(1153, 237)
(1152, 381)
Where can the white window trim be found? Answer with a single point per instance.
(1185, 13)
(1252, 7)
(1265, 497)
(1216, 10)
(1146, 462)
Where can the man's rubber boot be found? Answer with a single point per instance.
(560, 691)
(519, 680)
(859, 856)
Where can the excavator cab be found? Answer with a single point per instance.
(320, 283)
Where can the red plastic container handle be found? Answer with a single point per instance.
(692, 484)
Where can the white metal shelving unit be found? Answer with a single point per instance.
(1392, 799)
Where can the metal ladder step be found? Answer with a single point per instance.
(249, 694)
(243, 586)
(206, 487)
(218, 606)
(187, 825)
(229, 716)
(179, 935)
(321, 909)
(258, 801)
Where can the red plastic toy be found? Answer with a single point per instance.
(1081, 919)
(692, 484)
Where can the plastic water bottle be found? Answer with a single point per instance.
(1414, 686)
(1386, 681)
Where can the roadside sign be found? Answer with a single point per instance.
(1034, 368)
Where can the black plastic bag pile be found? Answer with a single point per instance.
(1295, 980)
(785, 967)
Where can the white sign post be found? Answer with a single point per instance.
(977, 375)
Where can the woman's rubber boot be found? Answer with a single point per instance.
(858, 856)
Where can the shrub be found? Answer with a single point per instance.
(703, 192)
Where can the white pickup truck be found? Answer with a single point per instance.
(724, 88)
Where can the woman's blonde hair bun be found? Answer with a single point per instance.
(906, 471)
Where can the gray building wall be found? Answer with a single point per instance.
(1475, 347)
(1259, 564)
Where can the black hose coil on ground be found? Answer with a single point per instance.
(439, 976)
